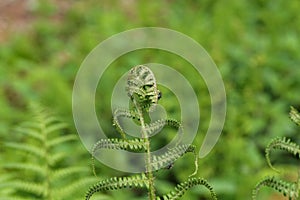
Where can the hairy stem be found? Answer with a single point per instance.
(151, 193)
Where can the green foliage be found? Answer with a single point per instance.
(181, 188)
(118, 183)
(282, 144)
(38, 172)
(255, 45)
(289, 189)
(142, 90)
(295, 116)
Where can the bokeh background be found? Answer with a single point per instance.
(255, 44)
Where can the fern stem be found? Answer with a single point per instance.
(151, 192)
(47, 194)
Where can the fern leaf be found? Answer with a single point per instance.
(64, 172)
(27, 186)
(122, 113)
(152, 128)
(55, 127)
(51, 119)
(114, 143)
(181, 188)
(173, 123)
(282, 144)
(118, 183)
(26, 148)
(286, 188)
(30, 132)
(40, 178)
(17, 198)
(61, 139)
(26, 166)
(119, 144)
(172, 155)
(56, 157)
(295, 115)
(70, 189)
(5, 178)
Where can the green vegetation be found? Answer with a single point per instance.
(289, 189)
(142, 89)
(255, 45)
(40, 171)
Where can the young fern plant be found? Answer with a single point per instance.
(288, 189)
(36, 169)
(143, 93)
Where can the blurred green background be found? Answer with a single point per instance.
(255, 44)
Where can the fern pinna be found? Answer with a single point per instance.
(37, 169)
(143, 93)
(288, 189)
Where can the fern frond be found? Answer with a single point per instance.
(118, 183)
(55, 127)
(26, 166)
(60, 140)
(172, 155)
(5, 178)
(27, 186)
(153, 127)
(30, 132)
(51, 119)
(118, 144)
(122, 113)
(69, 189)
(42, 176)
(56, 157)
(114, 143)
(295, 115)
(173, 123)
(181, 188)
(26, 148)
(282, 144)
(16, 198)
(286, 188)
(142, 89)
(64, 172)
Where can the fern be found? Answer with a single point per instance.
(282, 144)
(172, 155)
(181, 188)
(288, 189)
(295, 115)
(119, 183)
(142, 90)
(41, 166)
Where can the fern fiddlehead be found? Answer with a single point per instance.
(142, 90)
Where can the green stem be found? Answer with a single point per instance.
(47, 194)
(151, 193)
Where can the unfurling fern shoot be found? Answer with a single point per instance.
(142, 90)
